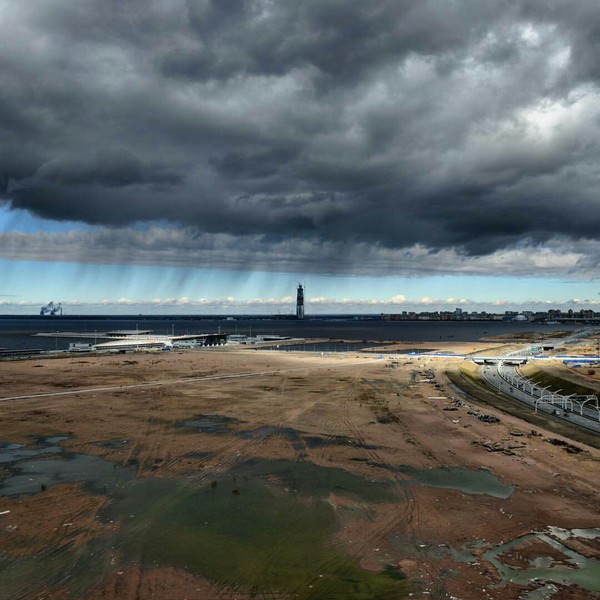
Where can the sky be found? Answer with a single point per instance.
(207, 156)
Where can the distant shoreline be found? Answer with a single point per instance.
(292, 318)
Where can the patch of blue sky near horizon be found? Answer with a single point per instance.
(12, 219)
(40, 282)
(16, 219)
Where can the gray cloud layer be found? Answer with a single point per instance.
(182, 247)
(462, 127)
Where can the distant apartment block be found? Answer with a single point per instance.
(553, 315)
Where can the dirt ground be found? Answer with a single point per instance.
(373, 420)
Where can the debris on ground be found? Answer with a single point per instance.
(570, 448)
(505, 446)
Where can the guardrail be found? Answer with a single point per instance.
(543, 395)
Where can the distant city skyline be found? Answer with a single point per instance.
(206, 157)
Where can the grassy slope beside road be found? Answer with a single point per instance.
(467, 378)
(558, 377)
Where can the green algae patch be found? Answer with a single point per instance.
(313, 481)
(467, 481)
(265, 527)
(246, 534)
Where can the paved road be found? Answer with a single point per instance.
(493, 374)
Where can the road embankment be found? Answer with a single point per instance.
(559, 377)
(467, 379)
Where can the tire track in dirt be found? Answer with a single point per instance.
(335, 430)
(236, 450)
(70, 526)
(406, 521)
(241, 447)
(158, 434)
(62, 541)
(287, 421)
(355, 431)
(332, 430)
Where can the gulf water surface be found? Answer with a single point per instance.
(18, 332)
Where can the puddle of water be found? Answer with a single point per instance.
(584, 571)
(8, 446)
(263, 527)
(31, 577)
(262, 433)
(211, 423)
(462, 555)
(546, 592)
(405, 545)
(32, 469)
(201, 454)
(221, 424)
(10, 453)
(313, 441)
(566, 534)
(31, 476)
(247, 532)
(313, 481)
(57, 439)
(481, 481)
(113, 444)
(17, 452)
(469, 482)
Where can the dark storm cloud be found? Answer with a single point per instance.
(465, 126)
(340, 39)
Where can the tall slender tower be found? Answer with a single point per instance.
(300, 302)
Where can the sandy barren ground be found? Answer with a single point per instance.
(344, 411)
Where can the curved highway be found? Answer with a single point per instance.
(505, 378)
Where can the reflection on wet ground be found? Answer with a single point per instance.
(267, 431)
(313, 441)
(557, 563)
(264, 525)
(481, 481)
(467, 481)
(219, 424)
(211, 423)
(32, 476)
(10, 453)
(113, 444)
(33, 469)
(261, 527)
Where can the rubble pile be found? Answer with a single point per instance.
(508, 447)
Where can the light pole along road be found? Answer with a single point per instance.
(505, 378)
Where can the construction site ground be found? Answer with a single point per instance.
(240, 473)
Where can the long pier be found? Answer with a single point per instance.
(72, 334)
